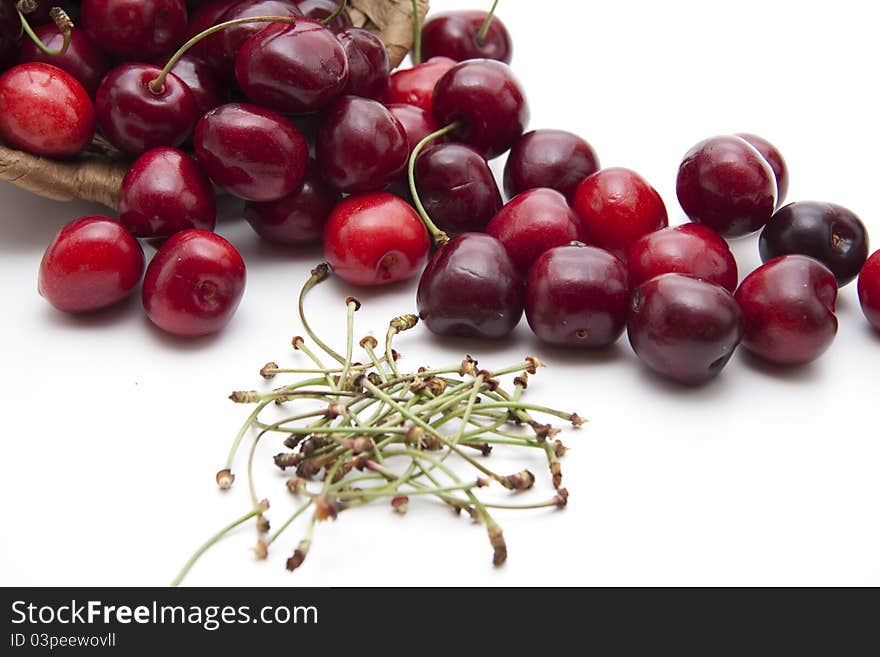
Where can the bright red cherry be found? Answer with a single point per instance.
(489, 102)
(456, 35)
(92, 263)
(869, 290)
(201, 80)
(533, 222)
(725, 183)
(788, 310)
(254, 153)
(692, 249)
(82, 59)
(471, 288)
(165, 192)
(774, 158)
(415, 86)
(577, 296)
(45, 111)
(194, 284)
(556, 159)
(134, 28)
(368, 67)
(374, 239)
(416, 122)
(320, 9)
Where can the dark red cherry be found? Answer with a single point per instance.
(683, 328)
(533, 222)
(320, 9)
(297, 219)
(457, 188)
(201, 80)
(869, 290)
(692, 249)
(788, 310)
(415, 86)
(10, 29)
(416, 122)
(726, 184)
(577, 296)
(252, 152)
(45, 111)
(774, 158)
(368, 67)
(456, 35)
(134, 28)
(135, 118)
(831, 234)
(489, 102)
(374, 239)
(165, 192)
(556, 159)
(92, 263)
(194, 284)
(40, 14)
(296, 68)
(82, 59)
(361, 147)
(471, 288)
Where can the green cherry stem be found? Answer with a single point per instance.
(319, 274)
(438, 236)
(484, 28)
(336, 13)
(62, 20)
(417, 34)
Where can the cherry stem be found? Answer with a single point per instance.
(336, 13)
(65, 25)
(440, 238)
(157, 86)
(484, 29)
(417, 34)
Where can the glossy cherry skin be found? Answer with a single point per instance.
(361, 147)
(416, 122)
(368, 67)
(45, 111)
(92, 263)
(471, 288)
(134, 28)
(691, 249)
(683, 328)
(415, 86)
(135, 118)
(82, 59)
(556, 159)
(726, 184)
(252, 152)
(200, 79)
(831, 234)
(869, 290)
(454, 35)
(292, 68)
(457, 188)
(374, 239)
(577, 296)
(165, 192)
(533, 222)
(194, 284)
(320, 9)
(774, 158)
(488, 100)
(297, 219)
(788, 310)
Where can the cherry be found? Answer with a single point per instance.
(487, 100)
(415, 86)
(135, 118)
(194, 284)
(165, 192)
(45, 111)
(297, 219)
(457, 188)
(556, 159)
(134, 28)
(374, 239)
(788, 310)
(253, 152)
(774, 158)
(297, 68)
(471, 288)
(320, 9)
(692, 249)
(458, 36)
(10, 27)
(725, 183)
(827, 232)
(361, 147)
(201, 80)
(683, 328)
(416, 122)
(533, 222)
(577, 296)
(368, 67)
(82, 59)
(869, 290)
(92, 263)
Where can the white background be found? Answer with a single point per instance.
(112, 431)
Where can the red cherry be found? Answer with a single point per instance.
(45, 111)
(254, 153)
(416, 122)
(374, 239)
(533, 222)
(556, 159)
(134, 28)
(165, 192)
(194, 284)
(774, 158)
(320, 9)
(455, 35)
(200, 79)
(368, 67)
(869, 290)
(618, 206)
(415, 86)
(82, 59)
(92, 263)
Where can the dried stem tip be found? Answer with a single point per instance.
(299, 555)
(261, 550)
(520, 481)
(263, 524)
(400, 504)
(369, 341)
(577, 420)
(353, 301)
(296, 485)
(468, 366)
(496, 539)
(561, 498)
(245, 396)
(404, 322)
(321, 272)
(269, 370)
(534, 364)
(286, 460)
(225, 479)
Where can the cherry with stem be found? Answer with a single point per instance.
(61, 19)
